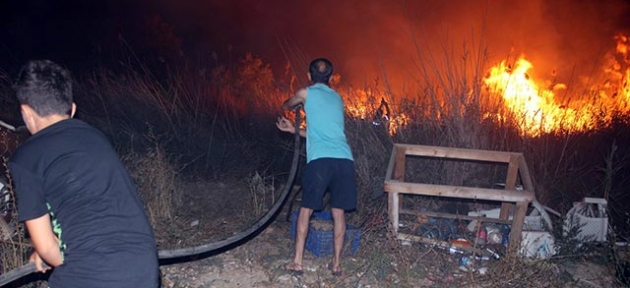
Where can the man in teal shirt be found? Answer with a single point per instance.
(330, 165)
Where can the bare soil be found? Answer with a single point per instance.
(215, 211)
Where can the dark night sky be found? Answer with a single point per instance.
(355, 34)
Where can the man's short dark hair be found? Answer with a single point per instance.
(44, 86)
(321, 69)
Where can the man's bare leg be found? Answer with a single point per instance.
(339, 233)
(300, 238)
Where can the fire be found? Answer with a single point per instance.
(533, 108)
(357, 102)
(360, 104)
(529, 103)
(623, 46)
(536, 110)
(623, 49)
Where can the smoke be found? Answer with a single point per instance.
(369, 39)
(365, 39)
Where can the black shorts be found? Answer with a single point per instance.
(334, 175)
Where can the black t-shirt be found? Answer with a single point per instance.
(71, 171)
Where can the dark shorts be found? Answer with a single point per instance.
(332, 175)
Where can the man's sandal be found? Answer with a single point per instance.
(334, 272)
(294, 269)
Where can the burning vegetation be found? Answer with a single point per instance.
(533, 104)
(536, 105)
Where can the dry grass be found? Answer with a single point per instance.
(262, 194)
(217, 123)
(157, 182)
(15, 248)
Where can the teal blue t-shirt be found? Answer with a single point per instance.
(325, 135)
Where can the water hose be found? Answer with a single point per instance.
(29, 268)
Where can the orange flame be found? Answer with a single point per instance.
(536, 110)
(623, 49)
(360, 105)
(533, 108)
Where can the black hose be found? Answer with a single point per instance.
(17, 273)
(175, 253)
(29, 268)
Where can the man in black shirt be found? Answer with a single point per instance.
(75, 196)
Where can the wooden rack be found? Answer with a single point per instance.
(396, 187)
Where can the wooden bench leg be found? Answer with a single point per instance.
(394, 210)
(517, 227)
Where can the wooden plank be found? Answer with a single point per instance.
(409, 237)
(517, 227)
(440, 243)
(454, 216)
(393, 213)
(395, 170)
(510, 184)
(506, 208)
(399, 171)
(512, 173)
(399, 164)
(458, 192)
(458, 153)
(393, 208)
(395, 186)
(390, 165)
(526, 178)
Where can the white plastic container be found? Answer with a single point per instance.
(531, 222)
(591, 216)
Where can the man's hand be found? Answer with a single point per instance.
(285, 125)
(39, 263)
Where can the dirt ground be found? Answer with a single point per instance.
(217, 210)
(259, 262)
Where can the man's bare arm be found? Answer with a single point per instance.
(44, 240)
(298, 99)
